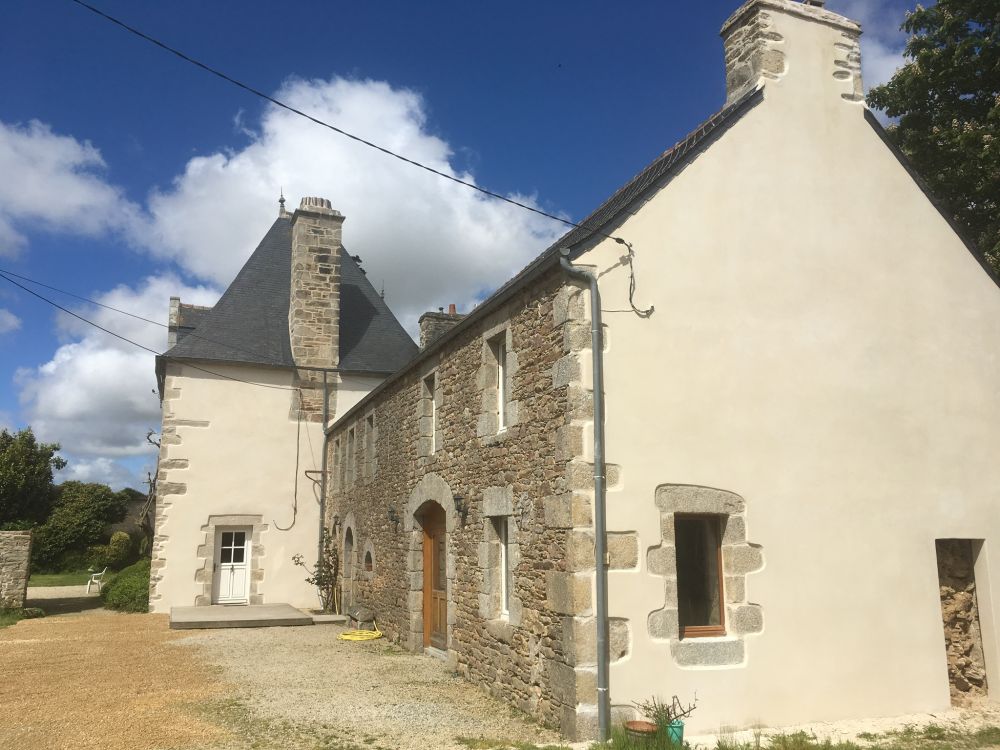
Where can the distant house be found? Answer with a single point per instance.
(242, 386)
(798, 367)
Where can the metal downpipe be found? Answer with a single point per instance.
(600, 497)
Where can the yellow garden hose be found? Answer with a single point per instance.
(361, 635)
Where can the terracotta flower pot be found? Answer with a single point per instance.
(640, 730)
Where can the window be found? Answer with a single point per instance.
(499, 347)
(369, 562)
(349, 479)
(348, 553)
(503, 569)
(370, 445)
(336, 464)
(430, 395)
(699, 576)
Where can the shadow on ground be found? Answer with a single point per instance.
(61, 600)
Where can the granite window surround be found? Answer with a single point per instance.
(499, 411)
(740, 559)
(498, 510)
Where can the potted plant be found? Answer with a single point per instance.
(664, 719)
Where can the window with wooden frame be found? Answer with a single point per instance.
(700, 601)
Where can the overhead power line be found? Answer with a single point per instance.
(127, 340)
(192, 334)
(278, 103)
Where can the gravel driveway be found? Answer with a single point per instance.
(369, 693)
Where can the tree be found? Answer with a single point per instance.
(26, 489)
(80, 515)
(947, 99)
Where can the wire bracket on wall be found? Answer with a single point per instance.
(631, 283)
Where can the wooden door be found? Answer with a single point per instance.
(232, 566)
(435, 578)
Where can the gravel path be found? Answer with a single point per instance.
(369, 691)
(101, 680)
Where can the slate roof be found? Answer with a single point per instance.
(249, 323)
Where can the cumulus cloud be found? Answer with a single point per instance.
(103, 470)
(430, 241)
(8, 321)
(60, 187)
(882, 42)
(96, 396)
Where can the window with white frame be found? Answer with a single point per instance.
(370, 446)
(429, 396)
(503, 565)
(498, 346)
(335, 471)
(351, 458)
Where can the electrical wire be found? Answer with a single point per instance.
(298, 450)
(191, 334)
(134, 343)
(278, 103)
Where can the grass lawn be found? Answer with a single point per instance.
(9, 616)
(74, 578)
(909, 738)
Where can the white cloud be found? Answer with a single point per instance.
(104, 470)
(431, 241)
(8, 321)
(96, 396)
(882, 42)
(54, 183)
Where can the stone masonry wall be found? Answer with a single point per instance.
(524, 472)
(15, 554)
(960, 612)
(314, 305)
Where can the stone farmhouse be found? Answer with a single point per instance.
(734, 438)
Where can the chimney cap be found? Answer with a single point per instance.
(316, 205)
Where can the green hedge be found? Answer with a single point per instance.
(129, 590)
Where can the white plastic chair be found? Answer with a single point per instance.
(96, 579)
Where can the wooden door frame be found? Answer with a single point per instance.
(440, 526)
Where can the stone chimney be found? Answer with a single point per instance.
(798, 40)
(433, 325)
(314, 308)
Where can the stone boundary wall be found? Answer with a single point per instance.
(15, 567)
(525, 472)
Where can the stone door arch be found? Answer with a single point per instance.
(430, 491)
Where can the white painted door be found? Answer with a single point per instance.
(232, 566)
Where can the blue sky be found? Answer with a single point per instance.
(129, 176)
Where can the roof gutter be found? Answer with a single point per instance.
(600, 495)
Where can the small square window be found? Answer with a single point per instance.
(700, 602)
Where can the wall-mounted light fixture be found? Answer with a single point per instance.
(393, 518)
(335, 522)
(461, 507)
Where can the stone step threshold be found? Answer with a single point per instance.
(246, 616)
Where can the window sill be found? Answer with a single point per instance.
(501, 629)
(702, 631)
